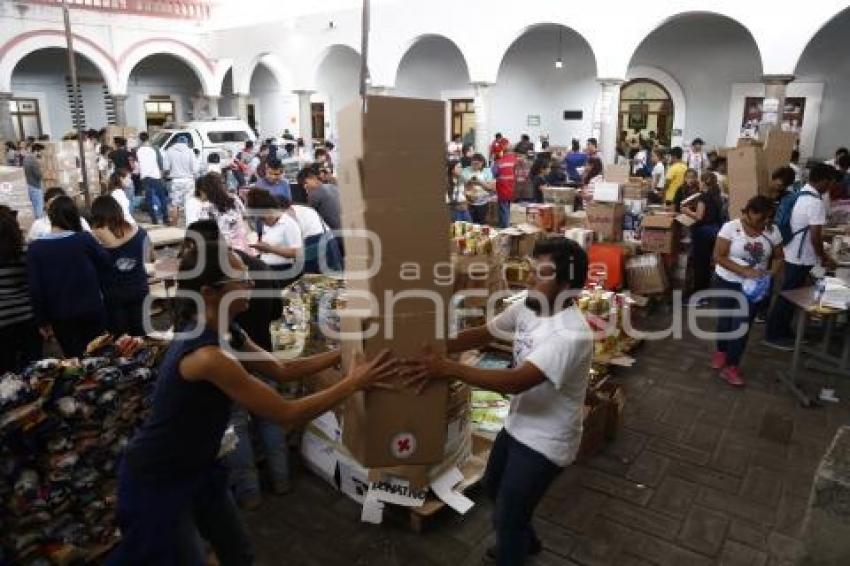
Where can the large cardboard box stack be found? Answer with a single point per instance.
(646, 274)
(14, 194)
(389, 428)
(751, 164)
(60, 166)
(606, 219)
(128, 133)
(659, 233)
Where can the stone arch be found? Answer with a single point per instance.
(396, 58)
(203, 67)
(14, 50)
(284, 77)
(673, 88)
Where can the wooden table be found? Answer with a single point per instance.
(820, 358)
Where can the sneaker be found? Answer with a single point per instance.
(732, 375)
(786, 344)
(534, 549)
(718, 360)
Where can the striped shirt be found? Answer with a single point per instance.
(14, 293)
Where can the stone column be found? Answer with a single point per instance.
(212, 106)
(305, 115)
(119, 102)
(7, 129)
(606, 118)
(774, 101)
(482, 117)
(240, 106)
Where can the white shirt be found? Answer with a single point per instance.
(121, 198)
(548, 417)
(42, 227)
(697, 161)
(659, 177)
(745, 250)
(182, 162)
(308, 220)
(196, 209)
(639, 161)
(808, 211)
(148, 164)
(286, 234)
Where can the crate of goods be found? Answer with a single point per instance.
(559, 195)
(14, 193)
(606, 220)
(646, 274)
(519, 241)
(547, 217)
(659, 233)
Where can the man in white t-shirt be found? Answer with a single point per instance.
(151, 165)
(659, 176)
(802, 253)
(553, 348)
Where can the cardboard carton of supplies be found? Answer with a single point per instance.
(559, 195)
(14, 194)
(646, 275)
(617, 173)
(518, 213)
(606, 220)
(659, 233)
(406, 217)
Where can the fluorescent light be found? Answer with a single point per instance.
(559, 63)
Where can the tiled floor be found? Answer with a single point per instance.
(700, 474)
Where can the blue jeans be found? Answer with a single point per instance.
(37, 199)
(734, 348)
(162, 522)
(517, 477)
(243, 469)
(779, 320)
(156, 196)
(504, 213)
(461, 215)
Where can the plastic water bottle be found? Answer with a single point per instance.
(819, 289)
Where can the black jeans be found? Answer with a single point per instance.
(734, 299)
(779, 321)
(21, 345)
(125, 316)
(517, 477)
(702, 251)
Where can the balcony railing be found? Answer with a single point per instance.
(177, 9)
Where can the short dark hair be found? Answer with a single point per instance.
(498, 135)
(821, 172)
(594, 141)
(842, 151)
(319, 152)
(63, 213)
(274, 163)
(53, 192)
(843, 161)
(786, 175)
(575, 145)
(312, 170)
(676, 152)
(569, 258)
(143, 136)
(479, 157)
(261, 199)
(697, 141)
(249, 144)
(759, 205)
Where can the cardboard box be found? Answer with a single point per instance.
(605, 191)
(635, 192)
(547, 217)
(575, 219)
(520, 240)
(559, 195)
(646, 275)
(747, 175)
(606, 219)
(518, 213)
(15, 195)
(617, 173)
(777, 149)
(659, 233)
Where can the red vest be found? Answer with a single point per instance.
(506, 176)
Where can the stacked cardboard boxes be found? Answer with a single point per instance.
(399, 304)
(60, 166)
(14, 194)
(129, 134)
(751, 164)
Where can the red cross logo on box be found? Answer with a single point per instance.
(403, 445)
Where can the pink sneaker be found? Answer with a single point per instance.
(732, 375)
(718, 360)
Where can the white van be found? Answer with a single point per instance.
(225, 136)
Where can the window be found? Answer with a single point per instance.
(26, 118)
(159, 110)
(224, 137)
(463, 119)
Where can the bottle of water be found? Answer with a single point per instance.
(819, 289)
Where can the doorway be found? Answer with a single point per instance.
(463, 119)
(159, 110)
(646, 108)
(251, 114)
(26, 117)
(317, 120)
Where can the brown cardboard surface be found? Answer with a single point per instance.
(645, 274)
(606, 219)
(777, 149)
(661, 221)
(617, 173)
(747, 175)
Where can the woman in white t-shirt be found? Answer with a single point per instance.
(119, 183)
(743, 254)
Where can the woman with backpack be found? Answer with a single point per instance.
(745, 249)
(707, 210)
